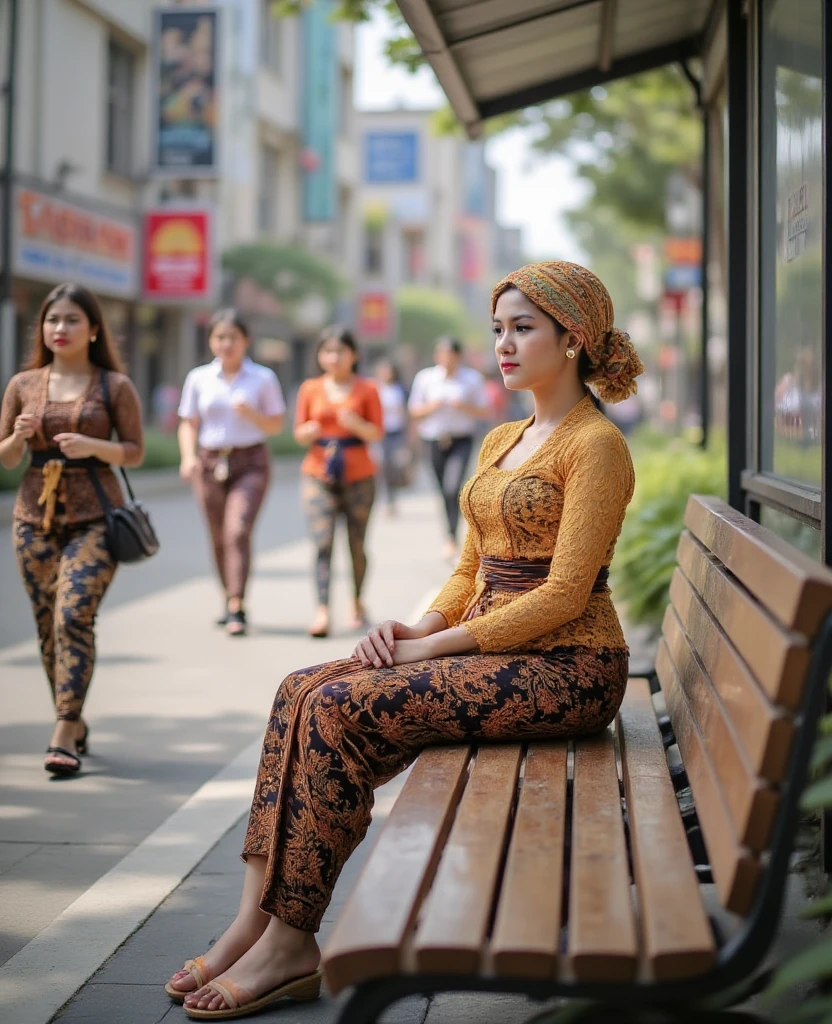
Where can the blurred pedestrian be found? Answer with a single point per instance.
(395, 451)
(448, 400)
(337, 415)
(227, 410)
(74, 382)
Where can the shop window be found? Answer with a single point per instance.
(800, 535)
(373, 249)
(271, 38)
(121, 71)
(791, 225)
(269, 190)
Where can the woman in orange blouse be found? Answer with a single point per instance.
(337, 415)
(522, 642)
(63, 408)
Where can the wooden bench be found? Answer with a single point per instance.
(642, 866)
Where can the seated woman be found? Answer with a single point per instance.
(522, 642)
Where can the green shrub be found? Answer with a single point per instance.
(646, 552)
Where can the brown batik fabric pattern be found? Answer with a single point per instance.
(323, 504)
(66, 572)
(231, 508)
(337, 731)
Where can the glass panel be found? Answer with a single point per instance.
(803, 537)
(791, 220)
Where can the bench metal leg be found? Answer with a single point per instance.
(368, 1001)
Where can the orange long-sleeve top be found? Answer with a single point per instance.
(566, 503)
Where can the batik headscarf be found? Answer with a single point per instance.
(576, 298)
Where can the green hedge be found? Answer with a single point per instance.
(646, 552)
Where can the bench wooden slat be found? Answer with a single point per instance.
(751, 802)
(524, 942)
(677, 938)
(778, 659)
(602, 941)
(766, 731)
(796, 589)
(452, 931)
(734, 868)
(371, 930)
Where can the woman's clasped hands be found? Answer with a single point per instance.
(393, 643)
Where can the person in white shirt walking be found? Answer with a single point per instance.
(447, 400)
(227, 410)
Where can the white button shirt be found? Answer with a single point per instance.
(209, 397)
(434, 385)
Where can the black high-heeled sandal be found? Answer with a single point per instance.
(63, 769)
(236, 618)
(81, 742)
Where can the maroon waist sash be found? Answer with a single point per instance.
(517, 575)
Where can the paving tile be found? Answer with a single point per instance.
(13, 853)
(480, 1008)
(118, 1004)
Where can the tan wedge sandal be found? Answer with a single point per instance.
(198, 970)
(237, 1003)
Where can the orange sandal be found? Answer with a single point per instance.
(237, 1003)
(198, 970)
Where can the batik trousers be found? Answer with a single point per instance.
(337, 731)
(323, 505)
(231, 507)
(66, 571)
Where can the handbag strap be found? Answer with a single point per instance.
(105, 391)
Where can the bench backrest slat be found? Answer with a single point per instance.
(764, 730)
(750, 802)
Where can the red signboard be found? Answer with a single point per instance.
(177, 254)
(374, 316)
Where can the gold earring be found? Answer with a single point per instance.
(570, 353)
(93, 339)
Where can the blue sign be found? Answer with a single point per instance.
(391, 158)
(681, 277)
(320, 110)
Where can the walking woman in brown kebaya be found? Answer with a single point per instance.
(522, 642)
(64, 408)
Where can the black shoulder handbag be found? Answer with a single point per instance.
(130, 534)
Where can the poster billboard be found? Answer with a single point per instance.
(59, 240)
(186, 100)
(177, 263)
(319, 111)
(375, 316)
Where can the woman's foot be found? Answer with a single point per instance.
(281, 954)
(359, 617)
(235, 941)
(320, 625)
(236, 624)
(62, 753)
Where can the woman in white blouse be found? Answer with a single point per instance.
(227, 410)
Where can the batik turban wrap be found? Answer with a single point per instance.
(576, 298)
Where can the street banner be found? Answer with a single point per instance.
(178, 255)
(319, 110)
(375, 319)
(186, 102)
(61, 240)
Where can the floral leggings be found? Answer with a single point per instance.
(66, 572)
(323, 503)
(337, 731)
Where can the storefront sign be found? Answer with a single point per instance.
(391, 158)
(56, 240)
(186, 102)
(375, 319)
(178, 255)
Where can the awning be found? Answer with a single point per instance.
(495, 56)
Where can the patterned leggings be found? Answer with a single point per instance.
(231, 508)
(66, 572)
(337, 731)
(323, 503)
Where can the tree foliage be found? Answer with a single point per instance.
(425, 314)
(289, 272)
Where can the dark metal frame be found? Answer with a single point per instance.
(737, 960)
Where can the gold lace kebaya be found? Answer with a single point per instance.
(565, 503)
